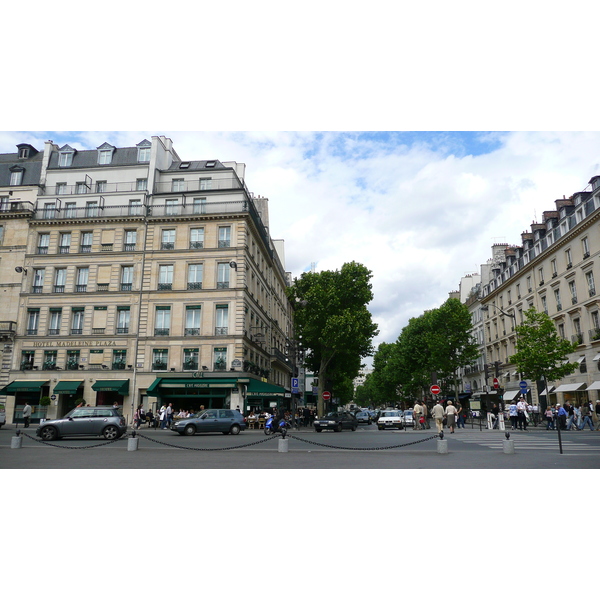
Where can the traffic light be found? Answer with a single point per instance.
(497, 368)
(486, 371)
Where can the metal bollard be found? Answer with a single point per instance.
(16, 440)
(132, 442)
(283, 445)
(442, 444)
(508, 445)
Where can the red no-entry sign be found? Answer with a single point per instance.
(435, 389)
(326, 395)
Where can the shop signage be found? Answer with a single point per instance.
(77, 344)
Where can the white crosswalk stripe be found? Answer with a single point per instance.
(523, 443)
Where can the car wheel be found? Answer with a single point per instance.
(48, 434)
(353, 427)
(235, 429)
(318, 430)
(339, 428)
(189, 430)
(369, 422)
(380, 428)
(111, 433)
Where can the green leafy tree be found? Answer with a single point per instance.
(331, 315)
(541, 353)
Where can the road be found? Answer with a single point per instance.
(366, 448)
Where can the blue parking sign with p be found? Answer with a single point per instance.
(295, 385)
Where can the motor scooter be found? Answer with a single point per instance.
(270, 427)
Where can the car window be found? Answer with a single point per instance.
(82, 413)
(211, 414)
(103, 412)
(226, 414)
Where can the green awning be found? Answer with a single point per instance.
(67, 387)
(260, 389)
(192, 382)
(23, 386)
(121, 386)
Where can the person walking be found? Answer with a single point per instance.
(169, 414)
(549, 418)
(586, 417)
(26, 414)
(451, 415)
(597, 413)
(438, 414)
(417, 414)
(162, 417)
(425, 415)
(561, 416)
(495, 411)
(522, 414)
(571, 415)
(513, 414)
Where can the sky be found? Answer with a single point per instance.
(418, 209)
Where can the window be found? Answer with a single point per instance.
(223, 270)
(178, 185)
(221, 319)
(82, 279)
(126, 278)
(168, 239)
(171, 207)
(33, 321)
(101, 187)
(192, 320)
(43, 243)
(141, 184)
(544, 304)
(49, 210)
(27, 359)
(65, 157)
(165, 277)
(210, 164)
(55, 319)
(73, 360)
(194, 281)
(205, 183)
(577, 337)
(184, 165)
(135, 207)
(197, 237)
(573, 291)
(561, 330)
(160, 360)
(23, 152)
(119, 359)
(16, 177)
(130, 240)
(123, 316)
(62, 188)
(49, 360)
(553, 267)
(104, 157)
(85, 242)
(77, 321)
(557, 298)
(529, 288)
(65, 243)
(162, 324)
(585, 247)
(81, 187)
(190, 359)
(220, 358)
(91, 208)
(518, 291)
(225, 237)
(144, 154)
(38, 280)
(60, 278)
(199, 206)
(541, 275)
(589, 276)
(568, 258)
(70, 210)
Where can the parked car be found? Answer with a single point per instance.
(2, 415)
(86, 420)
(336, 421)
(409, 420)
(390, 419)
(363, 416)
(211, 420)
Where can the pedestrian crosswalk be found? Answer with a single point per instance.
(524, 442)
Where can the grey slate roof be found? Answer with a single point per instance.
(85, 159)
(32, 166)
(196, 165)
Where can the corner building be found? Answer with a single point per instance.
(149, 279)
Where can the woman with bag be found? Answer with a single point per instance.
(450, 415)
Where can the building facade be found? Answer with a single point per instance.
(147, 280)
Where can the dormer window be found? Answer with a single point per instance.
(184, 165)
(210, 164)
(105, 153)
(26, 151)
(16, 175)
(144, 150)
(23, 152)
(65, 156)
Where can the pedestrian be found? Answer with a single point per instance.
(426, 415)
(570, 415)
(417, 413)
(438, 414)
(561, 416)
(522, 414)
(169, 414)
(495, 411)
(26, 414)
(162, 417)
(513, 413)
(586, 417)
(549, 418)
(597, 413)
(138, 417)
(451, 415)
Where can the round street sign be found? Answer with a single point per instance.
(435, 389)
(326, 395)
(496, 383)
(523, 386)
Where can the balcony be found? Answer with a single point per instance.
(595, 334)
(9, 328)
(221, 330)
(198, 185)
(32, 332)
(194, 285)
(165, 286)
(98, 330)
(129, 247)
(16, 207)
(106, 247)
(76, 331)
(222, 285)
(122, 330)
(224, 243)
(81, 288)
(126, 287)
(196, 245)
(159, 365)
(592, 291)
(118, 365)
(167, 246)
(102, 287)
(190, 365)
(59, 289)
(42, 250)
(192, 331)
(74, 190)
(64, 249)
(577, 337)
(162, 331)
(85, 249)
(37, 289)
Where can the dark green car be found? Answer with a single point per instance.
(336, 421)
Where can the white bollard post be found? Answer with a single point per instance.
(283, 445)
(132, 444)
(16, 441)
(508, 446)
(442, 445)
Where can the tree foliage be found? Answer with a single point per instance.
(331, 315)
(541, 352)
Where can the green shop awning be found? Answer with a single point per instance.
(121, 386)
(23, 386)
(260, 389)
(192, 383)
(67, 387)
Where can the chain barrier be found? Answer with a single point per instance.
(378, 448)
(271, 437)
(119, 439)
